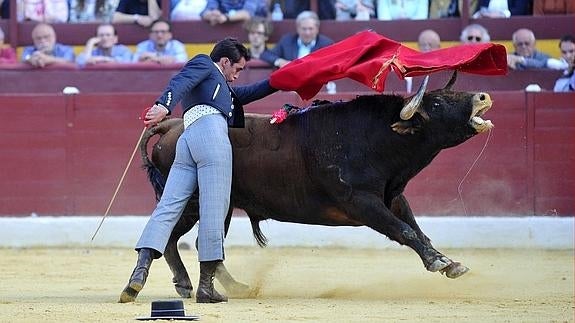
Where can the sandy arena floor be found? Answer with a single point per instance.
(297, 284)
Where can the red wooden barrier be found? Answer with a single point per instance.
(63, 155)
(153, 78)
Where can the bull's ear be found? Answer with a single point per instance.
(405, 127)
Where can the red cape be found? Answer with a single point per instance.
(368, 57)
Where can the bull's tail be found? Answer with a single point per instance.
(260, 237)
(154, 175)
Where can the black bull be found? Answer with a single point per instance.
(337, 164)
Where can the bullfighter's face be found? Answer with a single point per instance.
(230, 69)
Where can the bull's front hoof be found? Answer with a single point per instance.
(439, 264)
(454, 270)
(184, 292)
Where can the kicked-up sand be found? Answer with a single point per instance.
(297, 285)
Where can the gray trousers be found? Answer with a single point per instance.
(204, 160)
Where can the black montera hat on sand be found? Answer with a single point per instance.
(169, 310)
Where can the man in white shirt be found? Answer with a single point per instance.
(297, 45)
(161, 48)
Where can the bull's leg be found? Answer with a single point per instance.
(181, 279)
(401, 209)
(232, 286)
(373, 212)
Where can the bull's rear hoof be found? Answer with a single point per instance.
(455, 270)
(184, 292)
(130, 293)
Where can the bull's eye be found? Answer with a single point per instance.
(436, 103)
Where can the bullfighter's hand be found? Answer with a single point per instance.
(156, 114)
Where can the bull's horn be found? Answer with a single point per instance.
(452, 80)
(411, 107)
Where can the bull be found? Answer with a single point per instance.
(337, 164)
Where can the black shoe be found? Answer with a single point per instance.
(206, 292)
(139, 276)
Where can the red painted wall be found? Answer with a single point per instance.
(63, 155)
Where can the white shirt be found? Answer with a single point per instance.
(303, 49)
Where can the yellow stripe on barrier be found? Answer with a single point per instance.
(549, 46)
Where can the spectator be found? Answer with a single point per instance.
(7, 53)
(325, 8)
(160, 48)
(259, 30)
(92, 10)
(474, 33)
(297, 45)
(553, 7)
(566, 83)
(5, 9)
(48, 11)
(449, 8)
(502, 8)
(525, 55)
(428, 41)
(222, 11)
(354, 9)
(567, 46)
(104, 48)
(405, 9)
(46, 51)
(141, 12)
(187, 9)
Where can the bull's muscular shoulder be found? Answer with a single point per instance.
(258, 131)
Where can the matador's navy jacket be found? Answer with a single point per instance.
(201, 82)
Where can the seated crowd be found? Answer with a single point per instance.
(161, 48)
(215, 12)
